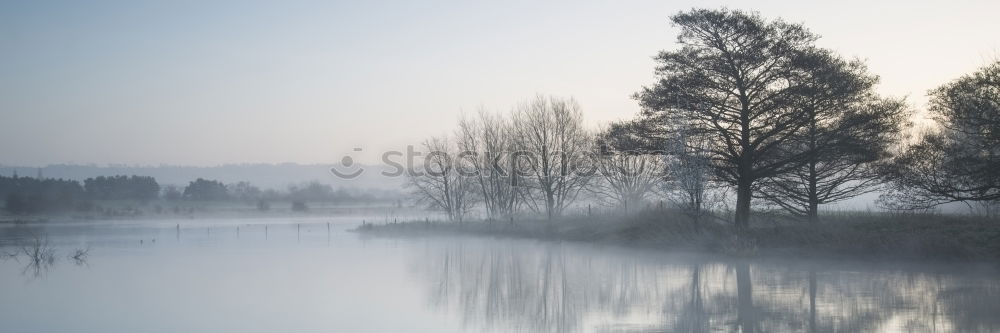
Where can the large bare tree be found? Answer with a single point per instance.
(552, 152)
(848, 135)
(734, 79)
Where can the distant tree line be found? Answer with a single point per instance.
(744, 108)
(122, 188)
(24, 195)
(27, 195)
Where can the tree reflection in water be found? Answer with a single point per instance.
(526, 286)
(36, 254)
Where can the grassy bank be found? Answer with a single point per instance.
(861, 235)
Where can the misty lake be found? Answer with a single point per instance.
(310, 274)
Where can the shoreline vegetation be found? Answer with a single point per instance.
(846, 235)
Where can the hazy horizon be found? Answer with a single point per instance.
(189, 83)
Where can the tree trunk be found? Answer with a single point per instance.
(813, 213)
(549, 205)
(698, 212)
(743, 194)
(745, 170)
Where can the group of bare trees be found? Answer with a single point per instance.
(533, 159)
(745, 103)
(490, 136)
(552, 146)
(439, 184)
(541, 159)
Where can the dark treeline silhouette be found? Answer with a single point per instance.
(122, 188)
(318, 192)
(263, 175)
(26, 195)
(745, 108)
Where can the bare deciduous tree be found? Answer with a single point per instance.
(439, 184)
(627, 175)
(552, 152)
(486, 144)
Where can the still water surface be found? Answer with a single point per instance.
(305, 275)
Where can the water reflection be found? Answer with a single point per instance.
(37, 255)
(80, 256)
(547, 287)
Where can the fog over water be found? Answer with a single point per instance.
(295, 275)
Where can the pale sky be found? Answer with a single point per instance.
(210, 82)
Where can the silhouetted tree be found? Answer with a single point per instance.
(848, 134)
(961, 160)
(206, 190)
(735, 80)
